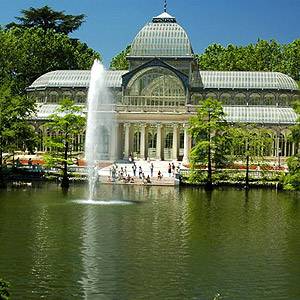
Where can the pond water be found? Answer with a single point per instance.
(150, 243)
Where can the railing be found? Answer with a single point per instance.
(133, 108)
(153, 101)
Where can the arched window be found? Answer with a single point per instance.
(240, 99)
(152, 140)
(255, 99)
(196, 98)
(80, 97)
(53, 97)
(169, 140)
(211, 95)
(283, 100)
(281, 142)
(67, 95)
(269, 99)
(136, 142)
(155, 86)
(226, 98)
(181, 140)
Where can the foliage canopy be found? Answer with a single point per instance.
(47, 18)
(65, 125)
(119, 62)
(27, 54)
(15, 130)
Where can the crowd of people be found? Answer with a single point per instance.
(125, 175)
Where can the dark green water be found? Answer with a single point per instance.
(170, 244)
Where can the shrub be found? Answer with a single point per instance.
(4, 293)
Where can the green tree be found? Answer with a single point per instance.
(291, 59)
(249, 143)
(15, 129)
(65, 125)
(27, 54)
(208, 128)
(292, 179)
(47, 18)
(4, 292)
(295, 135)
(119, 62)
(262, 56)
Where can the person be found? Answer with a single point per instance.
(148, 179)
(159, 175)
(30, 162)
(140, 172)
(130, 158)
(173, 169)
(128, 178)
(151, 169)
(113, 173)
(18, 162)
(134, 169)
(169, 170)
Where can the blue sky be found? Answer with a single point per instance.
(111, 25)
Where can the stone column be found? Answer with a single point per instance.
(143, 146)
(175, 142)
(187, 142)
(159, 143)
(127, 140)
(285, 146)
(120, 141)
(114, 142)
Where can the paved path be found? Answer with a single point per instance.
(161, 166)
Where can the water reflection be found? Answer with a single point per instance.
(169, 244)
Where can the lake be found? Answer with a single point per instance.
(150, 243)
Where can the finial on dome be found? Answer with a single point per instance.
(165, 6)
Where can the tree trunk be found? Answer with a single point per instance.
(209, 169)
(65, 180)
(2, 181)
(247, 172)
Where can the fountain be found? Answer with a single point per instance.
(101, 121)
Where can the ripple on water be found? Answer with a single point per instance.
(104, 202)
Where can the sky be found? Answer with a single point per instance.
(112, 25)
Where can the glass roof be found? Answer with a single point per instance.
(210, 79)
(234, 114)
(162, 37)
(260, 114)
(247, 80)
(75, 78)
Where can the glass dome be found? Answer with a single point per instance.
(163, 37)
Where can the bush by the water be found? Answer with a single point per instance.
(292, 179)
(4, 293)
